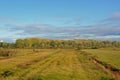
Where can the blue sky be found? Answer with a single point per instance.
(60, 19)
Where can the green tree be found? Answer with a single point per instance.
(19, 43)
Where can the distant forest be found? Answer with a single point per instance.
(39, 43)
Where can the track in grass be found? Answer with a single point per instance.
(54, 65)
(18, 63)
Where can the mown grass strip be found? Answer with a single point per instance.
(5, 72)
(92, 71)
(40, 66)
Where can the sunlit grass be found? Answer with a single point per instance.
(51, 64)
(110, 56)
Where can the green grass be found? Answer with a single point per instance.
(51, 64)
(109, 56)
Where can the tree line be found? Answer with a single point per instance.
(40, 43)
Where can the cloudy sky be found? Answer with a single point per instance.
(60, 19)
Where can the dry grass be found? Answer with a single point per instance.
(50, 64)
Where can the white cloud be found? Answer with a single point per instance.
(100, 31)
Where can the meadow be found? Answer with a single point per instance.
(109, 55)
(57, 64)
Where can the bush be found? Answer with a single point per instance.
(7, 53)
(95, 47)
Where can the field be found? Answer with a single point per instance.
(58, 64)
(110, 56)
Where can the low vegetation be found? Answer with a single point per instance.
(43, 59)
(110, 56)
(51, 64)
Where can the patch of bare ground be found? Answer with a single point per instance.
(1, 58)
(23, 65)
(5, 58)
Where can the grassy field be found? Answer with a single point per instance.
(54, 64)
(109, 56)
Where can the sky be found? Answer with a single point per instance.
(60, 19)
